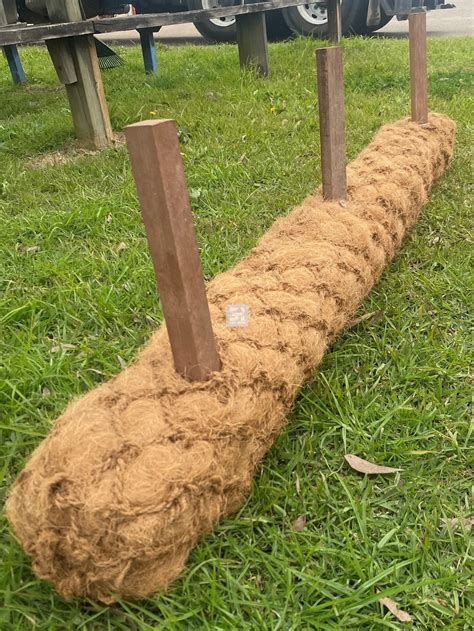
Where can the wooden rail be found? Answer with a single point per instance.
(32, 33)
(28, 34)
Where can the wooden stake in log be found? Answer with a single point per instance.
(331, 122)
(75, 60)
(159, 176)
(334, 21)
(252, 42)
(418, 72)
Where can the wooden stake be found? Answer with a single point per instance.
(252, 42)
(334, 21)
(418, 73)
(331, 122)
(75, 60)
(159, 176)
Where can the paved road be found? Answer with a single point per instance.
(449, 22)
(444, 23)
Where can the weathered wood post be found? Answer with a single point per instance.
(331, 122)
(14, 63)
(252, 42)
(8, 15)
(418, 72)
(159, 176)
(334, 21)
(77, 67)
(8, 12)
(147, 43)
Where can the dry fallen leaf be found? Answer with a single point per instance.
(298, 485)
(96, 372)
(392, 606)
(364, 466)
(373, 316)
(464, 522)
(122, 362)
(29, 249)
(299, 523)
(62, 347)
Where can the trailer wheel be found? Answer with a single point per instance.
(225, 30)
(311, 19)
(218, 29)
(26, 15)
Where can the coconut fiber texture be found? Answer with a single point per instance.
(133, 473)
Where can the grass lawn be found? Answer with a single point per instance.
(78, 299)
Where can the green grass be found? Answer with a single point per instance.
(395, 391)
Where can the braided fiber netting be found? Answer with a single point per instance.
(136, 471)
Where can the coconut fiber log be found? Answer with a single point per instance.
(133, 473)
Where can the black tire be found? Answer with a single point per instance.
(299, 25)
(25, 15)
(360, 25)
(211, 31)
(216, 34)
(276, 26)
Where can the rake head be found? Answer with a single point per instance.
(107, 57)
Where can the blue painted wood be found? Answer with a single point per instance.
(14, 62)
(147, 42)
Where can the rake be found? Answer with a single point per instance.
(107, 57)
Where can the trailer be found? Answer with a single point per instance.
(358, 17)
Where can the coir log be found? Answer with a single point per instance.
(133, 473)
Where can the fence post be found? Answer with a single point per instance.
(14, 63)
(147, 42)
(159, 176)
(8, 15)
(252, 42)
(331, 122)
(75, 60)
(418, 72)
(334, 21)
